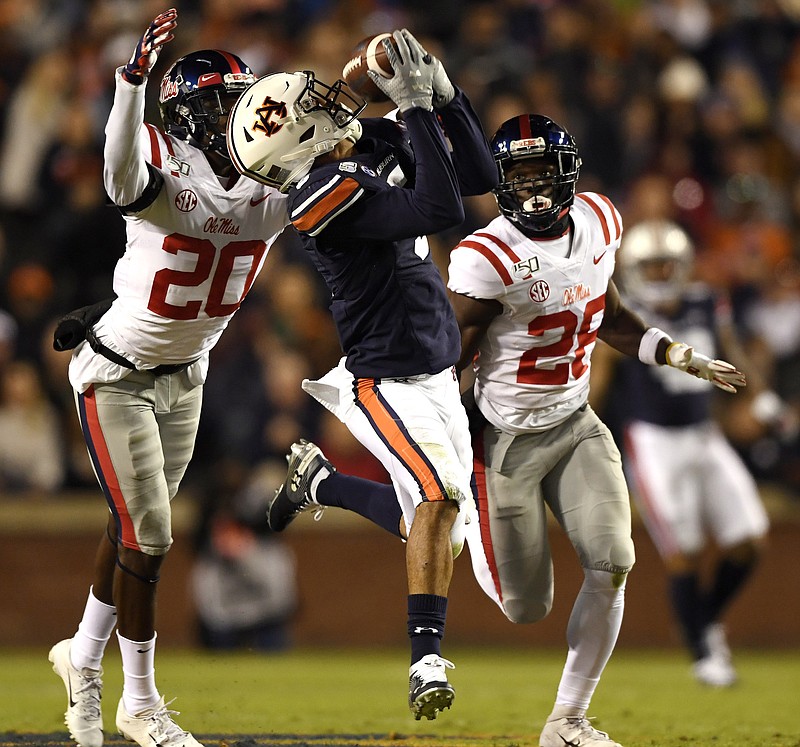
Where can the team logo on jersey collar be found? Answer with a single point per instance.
(525, 268)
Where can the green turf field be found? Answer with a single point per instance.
(350, 698)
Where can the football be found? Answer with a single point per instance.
(368, 54)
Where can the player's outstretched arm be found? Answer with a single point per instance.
(627, 332)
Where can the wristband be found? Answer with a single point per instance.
(649, 345)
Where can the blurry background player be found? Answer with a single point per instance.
(689, 484)
(532, 293)
(363, 197)
(197, 235)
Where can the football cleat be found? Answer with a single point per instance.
(306, 461)
(428, 689)
(153, 727)
(714, 671)
(83, 717)
(573, 731)
(716, 642)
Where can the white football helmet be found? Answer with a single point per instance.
(284, 121)
(655, 261)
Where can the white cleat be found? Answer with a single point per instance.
(153, 727)
(574, 731)
(714, 671)
(83, 717)
(428, 689)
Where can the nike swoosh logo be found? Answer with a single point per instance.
(595, 260)
(254, 202)
(142, 650)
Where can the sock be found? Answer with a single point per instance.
(372, 500)
(139, 691)
(426, 618)
(689, 609)
(95, 628)
(728, 579)
(592, 633)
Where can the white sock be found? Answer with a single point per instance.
(592, 633)
(139, 691)
(94, 630)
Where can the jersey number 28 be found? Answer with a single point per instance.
(574, 338)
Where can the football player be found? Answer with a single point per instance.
(363, 195)
(689, 483)
(197, 235)
(532, 293)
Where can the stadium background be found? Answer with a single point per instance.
(687, 109)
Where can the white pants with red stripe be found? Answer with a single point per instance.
(689, 485)
(140, 433)
(573, 468)
(416, 426)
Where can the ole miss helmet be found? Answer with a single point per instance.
(197, 93)
(539, 203)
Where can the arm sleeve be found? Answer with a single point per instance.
(432, 205)
(472, 274)
(475, 166)
(125, 172)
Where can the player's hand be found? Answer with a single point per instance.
(149, 47)
(443, 90)
(412, 83)
(720, 373)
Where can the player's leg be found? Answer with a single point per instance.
(509, 544)
(589, 498)
(662, 465)
(405, 424)
(78, 660)
(127, 423)
(739, 523)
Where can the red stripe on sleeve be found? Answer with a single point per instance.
(617, 227)
(601, 217)
(509, 252)
(155, 151)
(492, 257)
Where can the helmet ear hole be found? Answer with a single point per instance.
(307, 135)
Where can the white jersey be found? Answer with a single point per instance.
(191, 255)
(532, 367)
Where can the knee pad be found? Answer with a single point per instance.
(527, 610)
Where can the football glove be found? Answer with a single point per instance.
(720, 373)
(443, 91)
(412, 83)
(149, 47)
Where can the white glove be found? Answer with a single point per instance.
(720, 373)
(443, 91)
(412, 83)
(144, 57)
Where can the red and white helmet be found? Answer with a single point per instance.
(284, 121)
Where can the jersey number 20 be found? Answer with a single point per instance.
(205, 251)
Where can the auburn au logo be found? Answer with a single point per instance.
(270, 114)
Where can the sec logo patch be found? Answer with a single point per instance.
(540, 291)
(186, 200)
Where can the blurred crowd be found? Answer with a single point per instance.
(682, 109)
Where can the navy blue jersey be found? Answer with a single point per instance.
(362, 218)
(666, 396)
